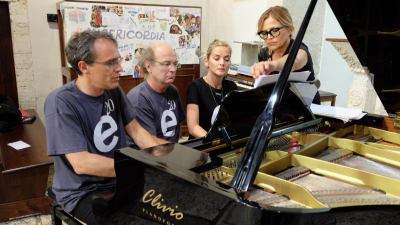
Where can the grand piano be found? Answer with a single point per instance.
(242, 172)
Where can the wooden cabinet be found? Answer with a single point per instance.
(24, 173)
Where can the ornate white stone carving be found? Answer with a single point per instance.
(362, 94)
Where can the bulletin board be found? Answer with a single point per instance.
(137, 26)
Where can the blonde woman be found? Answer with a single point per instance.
(205, 94)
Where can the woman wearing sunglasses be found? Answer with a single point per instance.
(275, 27)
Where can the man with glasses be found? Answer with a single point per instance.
(156, 101)
(275, 27)
(86, 120)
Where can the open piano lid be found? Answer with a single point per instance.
(373, 30)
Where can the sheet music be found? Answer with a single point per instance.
(293, 76)
(344, 114)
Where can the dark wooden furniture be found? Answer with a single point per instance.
(24, 173)
(326, 96)
(8, 82)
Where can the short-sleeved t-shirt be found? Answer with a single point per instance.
(208, 99)
(159, 113)
(78, 122)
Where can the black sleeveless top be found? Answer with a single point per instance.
(263, 55)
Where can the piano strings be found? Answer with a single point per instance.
(348, 158)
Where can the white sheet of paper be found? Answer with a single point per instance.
(293, 76)
(344, 114)
(18, 145)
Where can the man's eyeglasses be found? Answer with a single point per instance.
(274, 32)
(112, 62)
(168, 64)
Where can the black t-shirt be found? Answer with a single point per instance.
(263, 55)
(207, 98)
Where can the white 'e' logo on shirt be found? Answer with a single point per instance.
(170, 116)
(100, 136)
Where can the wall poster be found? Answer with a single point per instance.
(137, 26)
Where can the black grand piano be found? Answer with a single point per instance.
(238, 173)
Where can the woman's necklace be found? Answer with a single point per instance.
(212, 92)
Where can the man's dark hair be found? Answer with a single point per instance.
(80, 47)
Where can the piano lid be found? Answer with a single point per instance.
(373, 29)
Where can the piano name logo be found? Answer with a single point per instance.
(157, 201)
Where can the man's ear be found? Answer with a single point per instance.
(83, 66)
(147, 64)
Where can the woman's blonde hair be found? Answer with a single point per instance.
(217, 43)
(281, 14)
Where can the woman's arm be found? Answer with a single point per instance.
(192, 117)
(266, 67)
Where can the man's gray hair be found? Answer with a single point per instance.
(80, 47)
(146, 55)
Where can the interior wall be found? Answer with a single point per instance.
(38, 41)
(44, 41)
(239, 23)
(314, 34)
(22, 52)
(335, 74)
(45, 51)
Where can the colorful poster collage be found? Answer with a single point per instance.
(137, 26)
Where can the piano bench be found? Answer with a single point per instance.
(58, 215)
